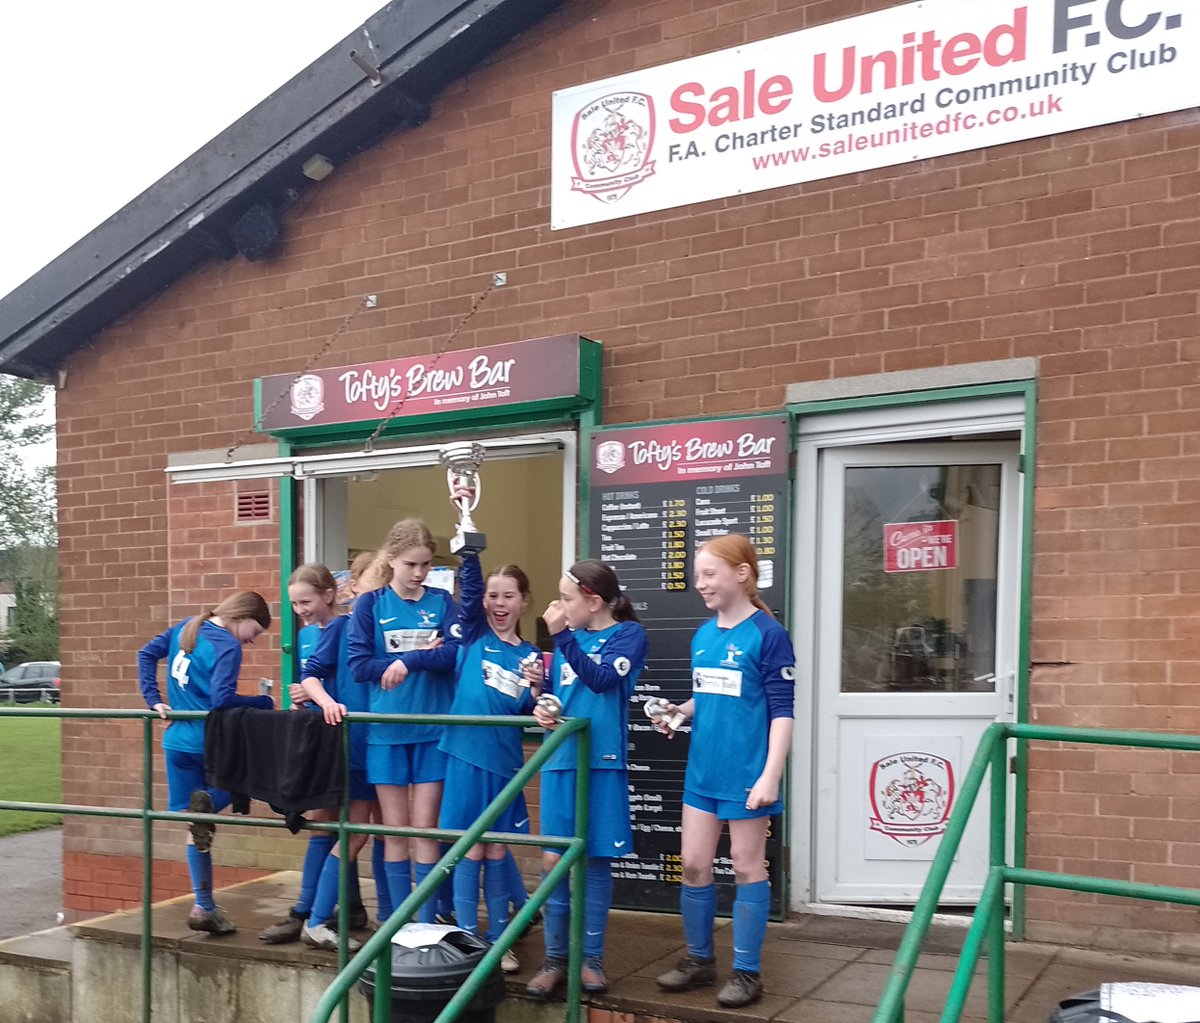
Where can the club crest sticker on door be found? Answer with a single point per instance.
(910, 795)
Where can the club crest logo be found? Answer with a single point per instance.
(610, 456)
(308, 396)
(732, 653)
(428, 618)
(611, 142)
(911, 796)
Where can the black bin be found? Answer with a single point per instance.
(426, 977)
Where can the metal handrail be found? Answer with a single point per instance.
(987, 923)
(379, 945)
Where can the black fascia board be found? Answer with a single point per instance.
(183, 219)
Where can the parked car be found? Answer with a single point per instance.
(32, 681)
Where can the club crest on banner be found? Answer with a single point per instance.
(308, 396)
(610, 456)
(611, 142)
(911, 796)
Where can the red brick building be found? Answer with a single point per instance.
(1002, 340)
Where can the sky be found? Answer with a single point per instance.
(100, 100)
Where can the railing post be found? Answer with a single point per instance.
(147, 861)
(998, 841)
(583, 758)
(383, 986)
(344, 868)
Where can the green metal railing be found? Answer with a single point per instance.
(987, 923)
(378, 948)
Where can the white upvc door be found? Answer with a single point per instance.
(915, 640)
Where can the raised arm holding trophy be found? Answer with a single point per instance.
(462, 461)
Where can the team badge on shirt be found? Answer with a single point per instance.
(732, 653)
(622, 666)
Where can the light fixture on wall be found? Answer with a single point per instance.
(317, 167)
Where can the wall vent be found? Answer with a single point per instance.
(253, 506)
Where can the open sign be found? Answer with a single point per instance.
(920, 546)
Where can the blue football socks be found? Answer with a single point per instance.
(319, 848)
(698, 907)
(200, 870)
(427, 909)
(399, 882)
(325, 899)
(751, 907)
(517, 894)
(496, 891)
(596, 903)
(383, 894)
(444, 905)
(556, 921)
(466, 894)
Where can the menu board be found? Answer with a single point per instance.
(657, 494)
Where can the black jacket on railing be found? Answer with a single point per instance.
(293, 761)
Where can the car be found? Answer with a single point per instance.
(32, 681)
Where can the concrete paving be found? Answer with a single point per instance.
(31, 865)
(816, 969)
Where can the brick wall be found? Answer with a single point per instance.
(1081, 249)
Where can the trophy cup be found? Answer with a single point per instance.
(551, 704)
(462, 462)
(655, 709)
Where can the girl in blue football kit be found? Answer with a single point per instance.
(390, 629)
(204, 656)
(313, 596)
(743, 676)
(326, 687)
(492, 678)
(328, 683)
(599, 652)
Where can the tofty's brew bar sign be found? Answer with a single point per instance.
(692, 451)
(911, 82)
(501, 376)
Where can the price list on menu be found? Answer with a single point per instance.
(657, 494)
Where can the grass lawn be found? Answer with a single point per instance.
(30, 771)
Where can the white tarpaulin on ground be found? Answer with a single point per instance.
(1163, 1003)
(911, 82)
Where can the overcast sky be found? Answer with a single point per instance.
(99, 99)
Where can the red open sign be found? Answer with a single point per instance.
(920, 546)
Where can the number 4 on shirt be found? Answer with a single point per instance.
(179, 669)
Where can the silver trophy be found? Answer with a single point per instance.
(462, 461)
(655, 709)
(551, 705)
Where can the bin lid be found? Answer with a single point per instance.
(430, 955)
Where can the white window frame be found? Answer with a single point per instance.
(309, 469)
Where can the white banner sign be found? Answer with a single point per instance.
(912, 82)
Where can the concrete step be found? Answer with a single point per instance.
(35, 977)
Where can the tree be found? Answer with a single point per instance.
(28, 533)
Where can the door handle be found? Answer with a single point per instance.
(1006, 683)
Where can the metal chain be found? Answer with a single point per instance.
(366, 303)
(369, 444)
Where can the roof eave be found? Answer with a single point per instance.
(332, 108)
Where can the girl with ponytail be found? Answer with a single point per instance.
(743, 676)
(599, 652)
(204, 656)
